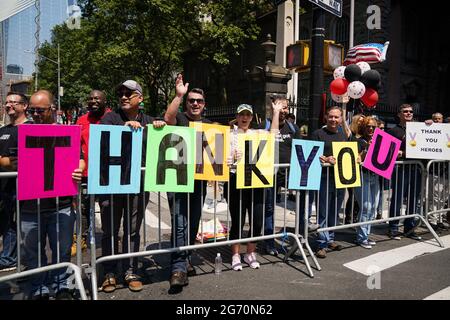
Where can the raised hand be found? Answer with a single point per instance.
(181, 89)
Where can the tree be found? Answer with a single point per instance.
(145, 40)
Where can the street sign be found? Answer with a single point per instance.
(332, 6)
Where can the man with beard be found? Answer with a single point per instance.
(96, 110)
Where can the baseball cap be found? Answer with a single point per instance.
(132, 85)
(244, 107)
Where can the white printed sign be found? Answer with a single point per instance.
(428, 141)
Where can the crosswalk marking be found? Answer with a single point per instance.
(388, 259)
(440, 295)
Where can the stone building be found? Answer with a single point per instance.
(416, 70)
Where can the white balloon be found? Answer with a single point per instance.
(342, 98)
(356, 89)
(339, 72)
(364, 66)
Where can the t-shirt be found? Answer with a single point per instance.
(118, 118)
(327, 136)
(85, 122)
(400, 133)
(9, 137)
(182, 120)
(283, 141)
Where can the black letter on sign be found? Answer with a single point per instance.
(304, 165)
(124, 160)
(48, 144)
(250, 166)
(376, 151)
(172, 141)
(340, 168)
(215, 160)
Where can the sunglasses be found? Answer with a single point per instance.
(126, 93)
(408, 111)
(37, 110)
(199, 101)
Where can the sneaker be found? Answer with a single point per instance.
(371, 242)
(414, 236)
(272, 251)
(7, 268)
(365, 245)
(322, 253)
(236, 262)
(250, 259)
(333, 246)
(394, 235)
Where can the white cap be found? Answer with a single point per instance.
(218, 254)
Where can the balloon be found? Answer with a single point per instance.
(352, 73)
(370, 98)
(339, 86)
(364, 66)
(371, 79)
(340, 98)
(339, 72)
(356, 89)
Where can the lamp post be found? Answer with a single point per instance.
(58, 63)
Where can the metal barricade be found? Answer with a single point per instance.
(403, 196)
(437, 190)
(189, 221)
(76, 268)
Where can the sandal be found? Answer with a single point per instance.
(134, 282)
(109, 285)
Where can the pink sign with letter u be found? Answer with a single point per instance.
(382, 154)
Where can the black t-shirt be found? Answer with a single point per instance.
(182, 120)
(323, 134)
(118, 118)
(9, 137)
(283, 140)
(400, 133)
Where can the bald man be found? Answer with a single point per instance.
(59, 235)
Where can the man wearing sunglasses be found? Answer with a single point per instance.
(404, 179)
(15, 106)
(130, 207)
(178, 202)
(55, 221)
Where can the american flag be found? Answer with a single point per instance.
(369, 52)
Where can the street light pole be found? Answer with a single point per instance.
(59, 81)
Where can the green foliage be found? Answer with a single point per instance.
(144, 40)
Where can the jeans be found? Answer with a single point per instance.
(367, 197)
(130, 208)
(8, 256)
(57, 279)
(311, 199)
(330, 202)
(406, 183)
(178, 204)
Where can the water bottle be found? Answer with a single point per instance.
(218, 264)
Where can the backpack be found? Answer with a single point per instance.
(291, 126)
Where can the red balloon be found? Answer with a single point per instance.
(370, 98)
(339, 86)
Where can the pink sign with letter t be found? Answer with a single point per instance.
(382, 154)
(47, 156)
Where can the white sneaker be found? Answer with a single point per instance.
(250, 259)
(236, 262)
(365, 244)
(371, 242)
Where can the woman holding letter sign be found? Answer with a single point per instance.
(368, 194)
